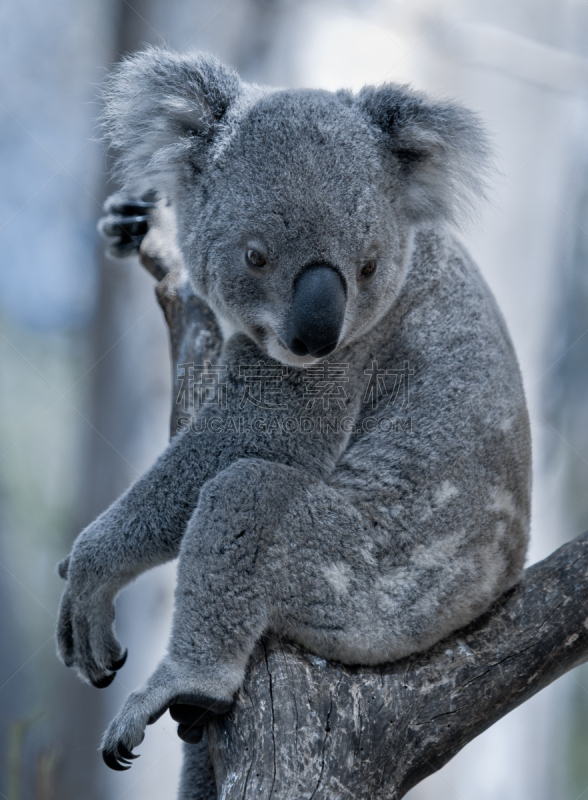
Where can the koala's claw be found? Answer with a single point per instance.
(118, 759)
(115, 761)
(106, 680)
(116, 665)
(126, 223)
(102, 683)
(191, 710)
(85, 638)
(126, 753)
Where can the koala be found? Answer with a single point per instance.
(376, 496)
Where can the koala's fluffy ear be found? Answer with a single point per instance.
(441, 149)
(161, 108)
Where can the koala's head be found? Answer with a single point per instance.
(295, 209)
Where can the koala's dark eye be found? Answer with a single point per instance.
(369, 268)
(255, 259)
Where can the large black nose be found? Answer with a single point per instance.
(317, 311)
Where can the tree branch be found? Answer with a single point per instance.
(306, 729)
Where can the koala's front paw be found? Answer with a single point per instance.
(85, 639)
(166, 689)
(126, 223)
(126, 731)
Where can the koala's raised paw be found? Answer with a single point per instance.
(192, 710)
(126, 223)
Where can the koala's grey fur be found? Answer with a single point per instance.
(361, 545)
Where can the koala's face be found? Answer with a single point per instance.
(294, 208)
(291, 233)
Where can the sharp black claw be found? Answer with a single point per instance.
(130, 207)
(111, 760)
(125, 752)
(127, 222)
(137, 225)
(116, 665)
(102, 683)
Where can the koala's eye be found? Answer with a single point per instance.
(255, 259)
(369, 268)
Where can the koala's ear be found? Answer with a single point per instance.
(441, 150)
(161, 107)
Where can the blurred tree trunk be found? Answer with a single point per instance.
(117, 389)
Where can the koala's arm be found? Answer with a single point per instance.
(141, 529)
(144, 527)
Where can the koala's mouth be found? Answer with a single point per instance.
(277, 349)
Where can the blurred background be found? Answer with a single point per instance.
(84, 367)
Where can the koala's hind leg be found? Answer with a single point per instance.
(256, 555)
(259, 554)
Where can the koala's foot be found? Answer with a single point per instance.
(126, 223)
(193, 712)
(166, 689)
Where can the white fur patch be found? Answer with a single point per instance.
(227, 326)
(338, 576)
(506, 424)
(502, 502)
(444, 493)
(440, 552)
(367, 554)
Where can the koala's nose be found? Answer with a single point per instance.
(317, 311)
